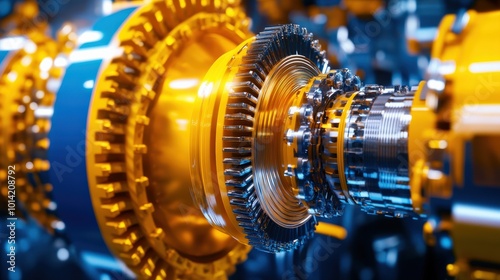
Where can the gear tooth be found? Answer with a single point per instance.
(239, 117)
(134, 256)
(241, 129)
(147, 267)
(245, 86)
(251, 76)
(241, 108)
(140, 149)
(142, 120)
(115, 206)
(240, 212)
(238, 171)
(120, 95)
(244, 193)
(122, 60)
(237, 139)
(119, 76)
(160, 273)
(138, 49)
(171, 21)
(107, 126)
(243, 97)
(237, 160)
(123, 242)
(132, 79)
(269, 47)
(105, 147)
(27, 102)
(128, 236)
(108, 190)
(237, 150)
(142, 36)
(106, 169)
(155, 18)
(142, 182)
(179, 7)
(242, 202)
(240, 182)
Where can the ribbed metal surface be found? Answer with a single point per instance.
(376, 153)
(270, 47)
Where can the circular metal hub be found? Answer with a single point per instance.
(283, 83)
(240, 125)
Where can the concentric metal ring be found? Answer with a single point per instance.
(127, 202)
(248, 193)
(311, 155)
(278, 91)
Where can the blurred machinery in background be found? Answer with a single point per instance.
(164, 140)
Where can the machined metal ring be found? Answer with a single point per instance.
(132, 95)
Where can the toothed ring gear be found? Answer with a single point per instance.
(271, 47)
(126, 92)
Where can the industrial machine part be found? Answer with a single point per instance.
(129, 93)
(295, 141)
(96, 185)
(461, 160)
(177, 140)
(384, 42)
(32, 68)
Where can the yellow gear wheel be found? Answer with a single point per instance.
(138, 140)
(28, 82)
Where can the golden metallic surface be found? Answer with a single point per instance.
(210, 190)
(167, 140)
(332, 230)
(138, 140)
(278, 93)
(470, 90)
(420, 133)
(239, 124)
(462, 107)
(157, 135)
(27, 87)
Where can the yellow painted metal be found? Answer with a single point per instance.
(25, 85)
(419, 133)
(332, 230)
(208, 170)
(148, 157)
(462, 107)
(472, 88)
(139, 124)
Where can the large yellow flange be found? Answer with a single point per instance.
(138, 140)
(454, 135)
